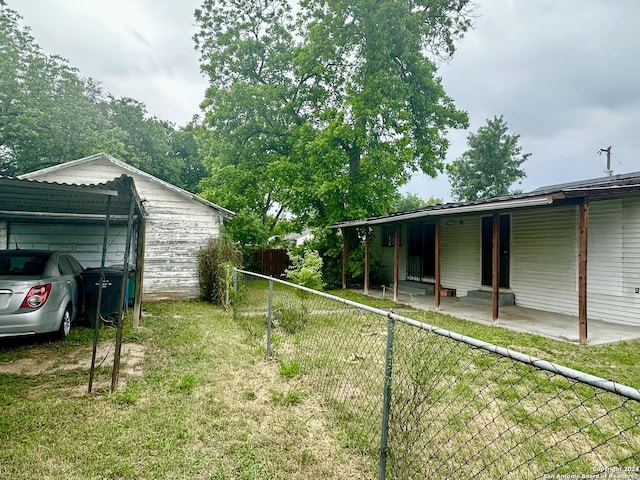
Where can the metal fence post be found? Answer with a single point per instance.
(235, 292)
(235, 280)
(269, 318)
(226, 299)
(386, 401)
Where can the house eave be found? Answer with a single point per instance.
(228, 214)
(451, 209)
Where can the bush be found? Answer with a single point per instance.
(306, 269)
(216, 261)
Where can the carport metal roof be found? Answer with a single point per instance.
(45, 201)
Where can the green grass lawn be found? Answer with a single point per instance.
(197, 398)
(456, 410)
(617, 362)
(204, 403)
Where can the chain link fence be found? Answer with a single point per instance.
(422, 402)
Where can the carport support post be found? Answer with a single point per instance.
(137, 301)
(495, 278)
(96, 327)
(582, 270)
(115, 372)
(437, 262)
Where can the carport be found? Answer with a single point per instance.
(34, 206)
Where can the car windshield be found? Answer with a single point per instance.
(22, 264)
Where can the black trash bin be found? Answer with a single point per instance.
(111, 287)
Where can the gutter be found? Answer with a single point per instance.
(444, 210)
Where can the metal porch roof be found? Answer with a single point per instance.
(600, 187)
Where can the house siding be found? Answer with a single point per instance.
(544, 259)
(605, 248)
(384, 255)
(614, 260)
(176, 227)
(460, 254)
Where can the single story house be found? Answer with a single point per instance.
(571, 249)
(175, 225)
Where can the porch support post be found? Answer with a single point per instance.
(437, 262)
(396, 262)
(582, 270)
(366, 261)
(495, 277)
(345, 249)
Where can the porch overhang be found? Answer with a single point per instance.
(451, 209)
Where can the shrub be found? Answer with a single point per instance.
(215, 264)
(306, 269)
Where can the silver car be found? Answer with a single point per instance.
(40, 292)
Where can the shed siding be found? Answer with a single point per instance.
(544, 259)
(83, 241)
(460, 254)
(4, 235)
(175, 230)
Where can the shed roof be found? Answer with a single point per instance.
(37, 200)
(128, 168)
(599, 187)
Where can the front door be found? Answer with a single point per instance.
(487, 250)
(421, 256)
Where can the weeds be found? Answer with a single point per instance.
(205, 405)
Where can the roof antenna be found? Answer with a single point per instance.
(608, 171)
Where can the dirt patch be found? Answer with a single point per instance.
(131, 357)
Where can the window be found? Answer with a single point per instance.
(389, 235)
(68, 265)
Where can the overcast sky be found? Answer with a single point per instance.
(565, 74)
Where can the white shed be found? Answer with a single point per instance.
(177, 224)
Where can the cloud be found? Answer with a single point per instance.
(563, 74)
(140, 49)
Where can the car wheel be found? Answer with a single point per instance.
(65, 324)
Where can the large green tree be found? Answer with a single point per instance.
(325, 111)
(491, 164)
(410, 201)
(46, 110)
(50, 114)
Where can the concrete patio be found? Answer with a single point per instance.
(551, 325)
